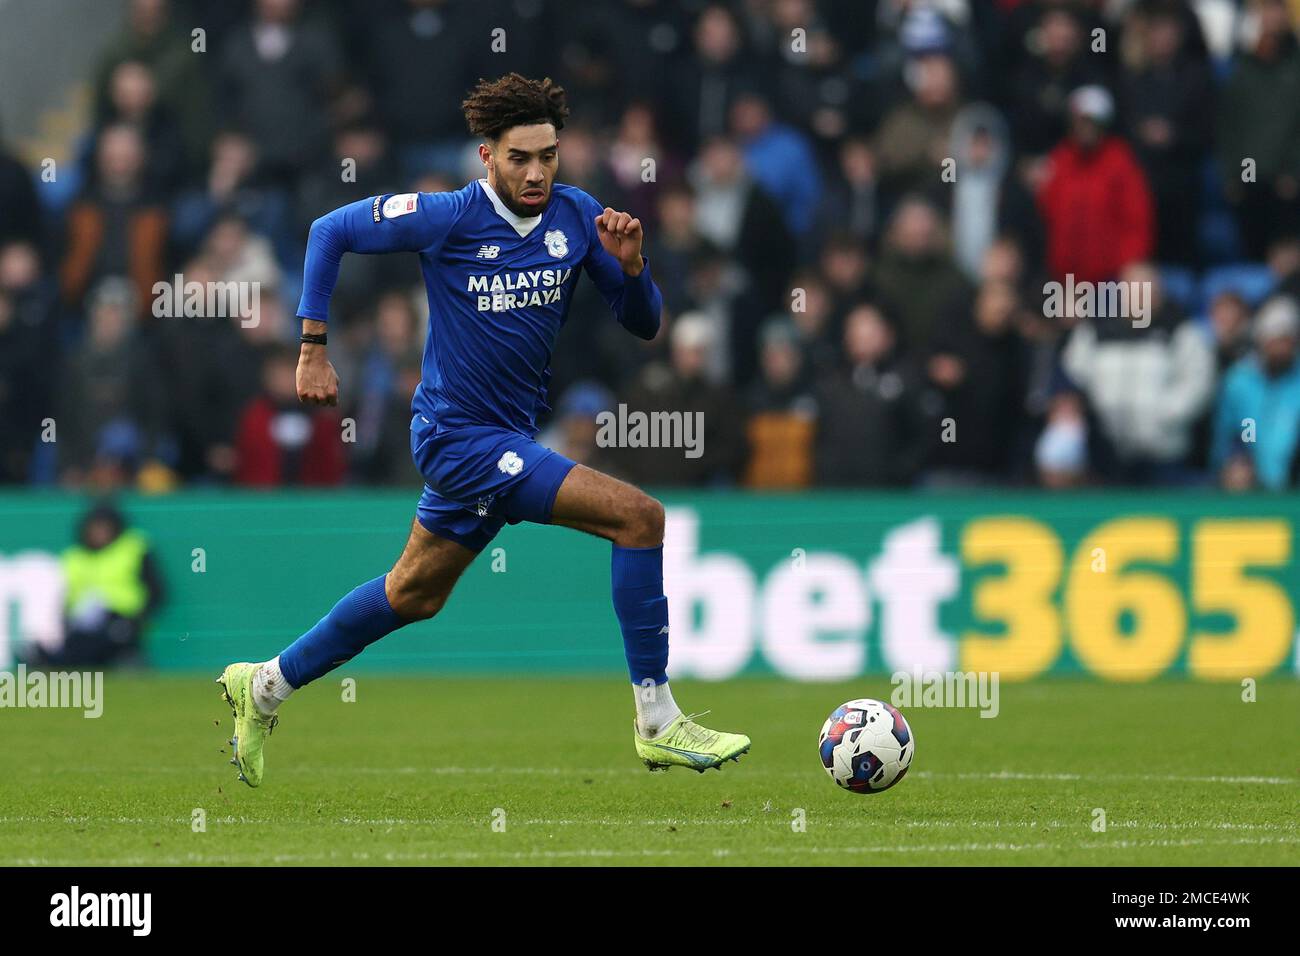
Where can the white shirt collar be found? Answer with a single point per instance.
(522, 225)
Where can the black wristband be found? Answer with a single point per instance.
(314, 338)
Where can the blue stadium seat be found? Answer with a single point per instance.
(1252, 281)
(1180, 286)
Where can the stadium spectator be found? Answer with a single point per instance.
(240, 255)
(674, 244)
(1258, 124)
(19, 358)
(684, 386)
(714, 285)
(1166, 101)
(1054, 47)
(738, 217)
(108, 401)
(133, 101)
(905, 31)
(1095, 201)
(808, 83)
(1061, 451)
(1257, 422)
(850, 203)
(278, 74)
(816, 323)
(232, 185)
(614, 53)
(152, 38)
(29, 358)
(117, 227)
(1147, 379)
(638, 143)
(1284, 263)
(279, 442)
(396, 344)
(912, 141)
(207, 364)
(916, 276)
(706, 85)
(781, 426)
(389, 461)
(987, 199)
(20, 214)
(1230, 329)
(415, 54)
(844, 273)
(781, 161)
(1229, 332)
(977, 364)
(873, 428)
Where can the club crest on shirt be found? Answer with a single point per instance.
(557, 243)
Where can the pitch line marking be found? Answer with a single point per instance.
(776, 818)
(451, 855)
(751, 770)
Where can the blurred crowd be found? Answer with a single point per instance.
(852, 209)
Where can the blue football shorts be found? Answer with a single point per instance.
(478, 478)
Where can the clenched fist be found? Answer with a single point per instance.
(621, 236)
(318, 383)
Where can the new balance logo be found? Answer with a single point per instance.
(489, 252)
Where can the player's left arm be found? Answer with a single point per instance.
(622, 273)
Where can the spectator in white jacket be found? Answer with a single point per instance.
(1148, 375)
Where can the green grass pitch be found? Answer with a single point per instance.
(418, 770)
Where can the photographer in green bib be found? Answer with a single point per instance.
(113, 587)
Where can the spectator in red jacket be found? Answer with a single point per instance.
(1095, 200)
(281, 442)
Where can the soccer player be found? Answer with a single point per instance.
(501, 258)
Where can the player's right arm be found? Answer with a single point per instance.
(405, 222)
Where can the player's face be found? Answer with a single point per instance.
(521, 167)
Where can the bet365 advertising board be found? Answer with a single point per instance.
(1116, 586)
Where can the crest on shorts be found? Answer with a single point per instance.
(510, 463)
(557, 243)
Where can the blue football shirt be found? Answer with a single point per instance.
(499, 288)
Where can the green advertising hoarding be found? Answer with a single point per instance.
(1118, 586)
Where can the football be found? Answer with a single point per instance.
(866, 745)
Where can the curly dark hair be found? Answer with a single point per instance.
(494, 106)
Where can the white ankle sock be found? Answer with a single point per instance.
(270, 689)
(655, 709)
